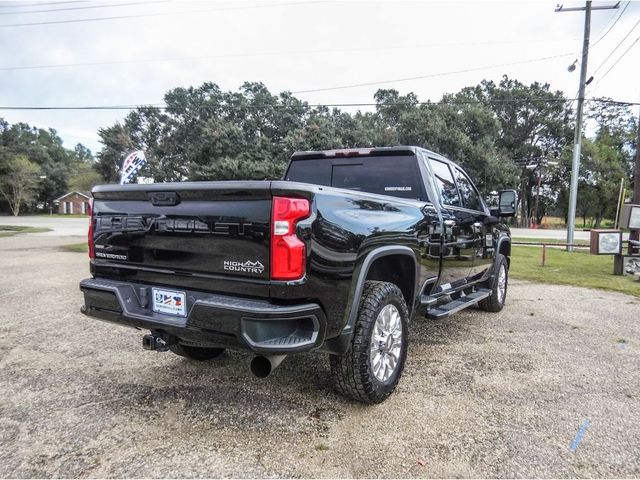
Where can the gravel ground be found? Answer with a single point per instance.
(483, 395)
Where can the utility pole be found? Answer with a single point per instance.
(636, 177)
(541, 170)
(635, 234)
(535, 217)
(577, 143)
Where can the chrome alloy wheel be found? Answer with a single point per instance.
(386, 343)
(502, 283)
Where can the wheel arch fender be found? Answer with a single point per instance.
(504, 247)
(361, 274)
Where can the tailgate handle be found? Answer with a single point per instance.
(163, 199)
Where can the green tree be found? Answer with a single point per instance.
(493, 129)
(606, 158)
(19, 182)
(456, 127)
(45, 149)
(84, 177)
(534, 125)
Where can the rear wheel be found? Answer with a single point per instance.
(495, 301)
(196, 353)
(371, 368)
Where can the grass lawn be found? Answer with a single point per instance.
(578, 268)
(75, 247)
(10, 230)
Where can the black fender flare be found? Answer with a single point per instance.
(340, 344)
(361, 276)
(502, 239)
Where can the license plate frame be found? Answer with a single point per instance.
(169, 302)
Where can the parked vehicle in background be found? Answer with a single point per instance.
(338, 257)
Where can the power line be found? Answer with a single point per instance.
(162, 106)
(84, 7)
(24, 4)
(158, 14)
(259, 54)
(614, 14)
(432, 75)
(619, 58)
(614, 24)
(615, 48)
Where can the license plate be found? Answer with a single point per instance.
(169, 301)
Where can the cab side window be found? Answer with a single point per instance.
(445, 182)
(470, 196)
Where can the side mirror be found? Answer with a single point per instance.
(506, 204)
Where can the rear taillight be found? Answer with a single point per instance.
(90, 240)
(288, 257)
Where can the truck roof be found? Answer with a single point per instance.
(357, 152)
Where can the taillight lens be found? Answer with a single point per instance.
(92, 222)
(288, 257)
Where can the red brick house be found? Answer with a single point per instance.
(73, 202)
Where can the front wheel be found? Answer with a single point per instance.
(371, 368)
(495, 301)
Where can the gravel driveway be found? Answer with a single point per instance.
(482, 394)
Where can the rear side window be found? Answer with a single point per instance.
(445, 182)
(310, 171)
(397, 176)
(469, 194)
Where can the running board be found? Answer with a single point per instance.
(443, 311)
(428, 301)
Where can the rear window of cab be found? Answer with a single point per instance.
(397, 176)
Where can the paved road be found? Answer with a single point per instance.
(560, 235)
(483, 395)
(60, 226)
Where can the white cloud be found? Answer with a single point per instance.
(346, 43)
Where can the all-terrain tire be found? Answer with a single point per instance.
(353, 372)
(495, 301)
(196, 353)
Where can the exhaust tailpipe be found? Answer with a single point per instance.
(262, 366)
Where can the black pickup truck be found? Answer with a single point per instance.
(339, 256)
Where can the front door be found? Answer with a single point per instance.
(476, 213)
(458, 234)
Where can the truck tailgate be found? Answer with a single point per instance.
(201, 230)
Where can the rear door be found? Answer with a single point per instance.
(191, 234)
(477, 213)
(457, 255)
